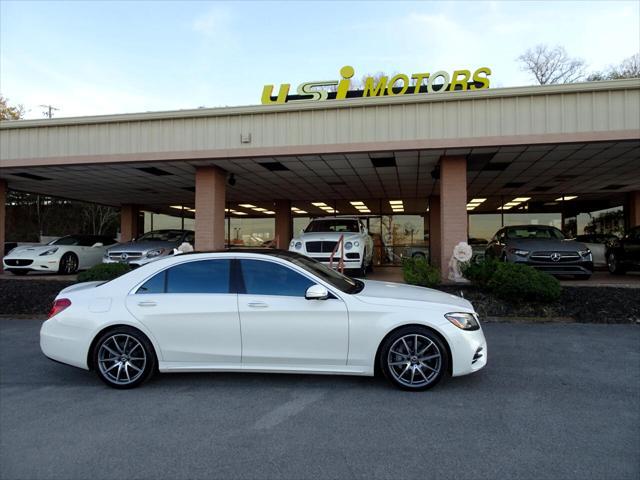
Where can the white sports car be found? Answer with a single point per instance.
(260, 311)
(65, 255)
(322, 235)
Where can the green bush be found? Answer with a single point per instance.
(103, 272)
(417, 271)
(514, 282)
(479, 273)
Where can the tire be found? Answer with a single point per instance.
(402, 364)
(124, 358)
(419, 255)
(613, 265)
(18, 271)
(68, 264)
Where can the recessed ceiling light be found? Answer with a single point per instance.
(247, 205)
(319, 204)
(258, 209)
(395, 202)
(365, 210)
(355, 204)
(269, 212)
(179, 207)
(478, 200)
(240, 213)
(521, 199)
(301, 211)
(565, 198)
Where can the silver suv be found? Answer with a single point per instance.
(148, 247)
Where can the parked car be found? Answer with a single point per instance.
(149, 247)
(65, 255)
(542, 247)
(597, 243)
(260, 311)
(478, 246)
(624, 254)
(322, 235)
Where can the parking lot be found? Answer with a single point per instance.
(556, 401)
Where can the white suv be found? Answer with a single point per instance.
(322, 235)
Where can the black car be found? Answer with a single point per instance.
(624, 254)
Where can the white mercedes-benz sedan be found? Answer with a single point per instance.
(260, 311)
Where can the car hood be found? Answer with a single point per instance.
(31, 250)
(544, 244)
(390, 293)
(141, 246)
(327, 236)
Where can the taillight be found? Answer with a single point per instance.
(59, 305)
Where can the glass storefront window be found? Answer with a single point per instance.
(250, 232)
(607, 221)
(483, 226)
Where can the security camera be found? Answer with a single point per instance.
(232, 180)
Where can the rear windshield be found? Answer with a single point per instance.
(534, 232)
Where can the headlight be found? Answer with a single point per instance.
(292, 244)
(298, 245)
(348, 246)
(155, 253)
(465, 321)
(51, 251)
(521, 253)
(356, 243)
(584, 253)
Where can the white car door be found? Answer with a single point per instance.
(190, 312)
(282, 328)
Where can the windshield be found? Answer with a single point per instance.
(69, 240)
(320, 226)
(534, 232)
(341, 282)
(161, 236)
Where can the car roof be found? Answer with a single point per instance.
(270, 252)
(335, 218)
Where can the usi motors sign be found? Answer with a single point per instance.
(399, 84)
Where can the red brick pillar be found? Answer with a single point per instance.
(633, 209)
(210, 204)
(3, 217)
(283, 223)
(129, 222)
(453, 208)
(434, 231)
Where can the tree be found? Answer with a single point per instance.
(629, 68)
(8, 112)
(98, 218)
(551, 65)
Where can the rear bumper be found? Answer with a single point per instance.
(64, 343)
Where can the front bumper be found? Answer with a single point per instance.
(568, 268)
(469, 351)
(134, 263)
(41, 264)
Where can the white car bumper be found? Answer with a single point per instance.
(66, 343)
(469, 351)
(39, 264)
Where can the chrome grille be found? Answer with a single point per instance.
(554, 257)
(320, 247)
(127, 256)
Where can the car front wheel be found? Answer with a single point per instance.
(613, 264)
(414, 358)
(124, 358)
(68, 264)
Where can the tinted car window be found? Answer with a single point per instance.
(68, 240)
(154, 285)
(319, 226)
(535, 232)
(204, 276)
(268, 278)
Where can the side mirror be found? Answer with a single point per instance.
(97, 244)
(316, 292)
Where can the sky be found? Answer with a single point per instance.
(97, 58)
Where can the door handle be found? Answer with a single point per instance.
(258, 305)
(147, 304)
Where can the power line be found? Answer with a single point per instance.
(49, 112)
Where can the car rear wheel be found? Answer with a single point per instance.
(17, 271)
(124, 358)
(68, 264)
(613, 264)
(414, 358)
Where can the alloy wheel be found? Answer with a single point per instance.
(414, 360)
(122, 359)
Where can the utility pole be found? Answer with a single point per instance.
(49, 112)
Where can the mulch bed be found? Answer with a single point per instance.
(579, 304)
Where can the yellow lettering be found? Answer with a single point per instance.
(478, 79)
(463, 82)
(419, 77)
(282, 94)
(371, 90)
(343, 87)
(443, 85)
(403, 89)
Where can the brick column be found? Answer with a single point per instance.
(210, 204)
(284, 224)
(434, 231)
(453, 208)
(129, 222)
(3, 217)
(633, 209)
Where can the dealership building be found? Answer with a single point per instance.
(425, 171)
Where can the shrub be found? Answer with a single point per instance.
(479, 273)
(103, 272)
(512, 281)
(417, 271)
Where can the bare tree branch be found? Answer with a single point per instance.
(551, 65)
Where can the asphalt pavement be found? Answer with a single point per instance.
(556, 401)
